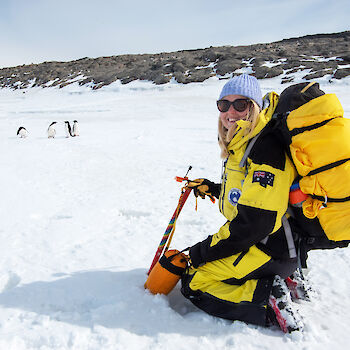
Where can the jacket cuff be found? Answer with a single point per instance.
(197, 253)
(216, 190)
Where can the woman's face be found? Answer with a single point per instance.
(230, 117)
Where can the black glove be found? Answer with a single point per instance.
(198, 252)
(204, 187)
(195, 255)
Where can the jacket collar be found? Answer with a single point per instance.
(241, 137)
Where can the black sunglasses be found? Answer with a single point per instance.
(240, 105)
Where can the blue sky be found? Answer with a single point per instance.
(33, 31)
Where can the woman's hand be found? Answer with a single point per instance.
(204, 187)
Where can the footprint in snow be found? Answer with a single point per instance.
(134, 213)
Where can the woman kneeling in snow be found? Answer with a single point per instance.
(232, 272)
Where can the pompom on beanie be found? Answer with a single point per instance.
(244, 85)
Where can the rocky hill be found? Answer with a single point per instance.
(315, 55)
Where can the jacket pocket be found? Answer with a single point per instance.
(240, 257)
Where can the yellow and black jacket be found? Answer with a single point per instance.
(253, 197)
(232, 271)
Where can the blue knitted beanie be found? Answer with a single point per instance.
(245, 85)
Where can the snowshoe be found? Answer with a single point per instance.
(299, 286)
(281, 310)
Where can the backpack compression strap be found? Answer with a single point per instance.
(324, 168)
(327, 167)
(297, 131)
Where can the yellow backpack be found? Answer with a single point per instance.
(317, 137)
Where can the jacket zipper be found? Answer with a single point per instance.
(223, 186)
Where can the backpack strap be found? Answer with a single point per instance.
(243, 162)
(327, 199)
(324, 168)
(327, 167)
(297, 131)
(307, 87)
(289, 237)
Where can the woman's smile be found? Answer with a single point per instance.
(230, 117)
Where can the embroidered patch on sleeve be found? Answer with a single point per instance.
(264, 178)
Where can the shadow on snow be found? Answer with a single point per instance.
(112, 300)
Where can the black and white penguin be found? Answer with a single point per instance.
(22, 132)
(51, 132)
(75, 128)
(68, 129)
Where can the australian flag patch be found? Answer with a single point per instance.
(263, 177)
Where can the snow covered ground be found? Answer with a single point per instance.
(81, 219)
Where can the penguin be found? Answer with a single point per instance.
(51, 132)
(22, 132)
(68, 129)
(75, 128)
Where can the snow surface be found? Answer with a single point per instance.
(81, 219)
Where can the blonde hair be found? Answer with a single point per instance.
(225, 135)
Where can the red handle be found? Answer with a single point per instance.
(182, 200)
